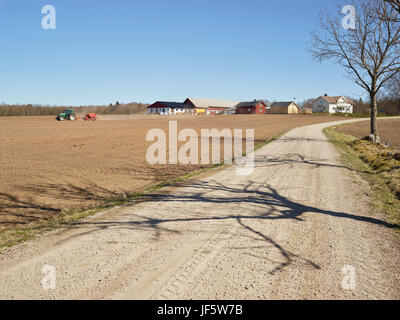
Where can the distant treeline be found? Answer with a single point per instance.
(38, 110)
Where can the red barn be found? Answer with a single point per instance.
(253, 107)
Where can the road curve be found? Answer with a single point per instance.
(287, 231)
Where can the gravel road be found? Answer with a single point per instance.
(287, 231)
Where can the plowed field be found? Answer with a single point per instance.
(389, 130)
(48, 166)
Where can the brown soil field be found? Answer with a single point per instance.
(389, 130)
(48, 166)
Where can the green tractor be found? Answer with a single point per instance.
(68, 114)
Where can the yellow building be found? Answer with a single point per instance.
(200, 111)
(285, 108)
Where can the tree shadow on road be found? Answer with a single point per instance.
(298, 159)
(265, 203)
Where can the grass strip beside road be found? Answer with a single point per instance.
(378, 165)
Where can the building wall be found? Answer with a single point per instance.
(258, 109)
(177, 111)
(245, 110)
(200, 111)
(159, 108)
(279, 110)
(164, 111)
(261, 108)
(321, 105)
(215, 110)
(341, 108)
(292, 109)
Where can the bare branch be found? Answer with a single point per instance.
(395, 4)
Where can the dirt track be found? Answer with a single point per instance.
(286, 232)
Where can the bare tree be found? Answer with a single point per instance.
(369, 53)
(395, 4)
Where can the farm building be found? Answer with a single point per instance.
(231, 110)
(168, 108)
(289, 107)
(210, 107)
(327, 104)
(253, 107)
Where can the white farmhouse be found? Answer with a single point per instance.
(327, 104)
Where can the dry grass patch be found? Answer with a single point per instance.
(378, 165)
(382, 160)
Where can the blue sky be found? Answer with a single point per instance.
(120, 50)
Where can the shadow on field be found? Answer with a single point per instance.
(70, 192)
(40, 201)
(33, 205)
(22, 211)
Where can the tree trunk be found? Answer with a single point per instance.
(374, 112)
